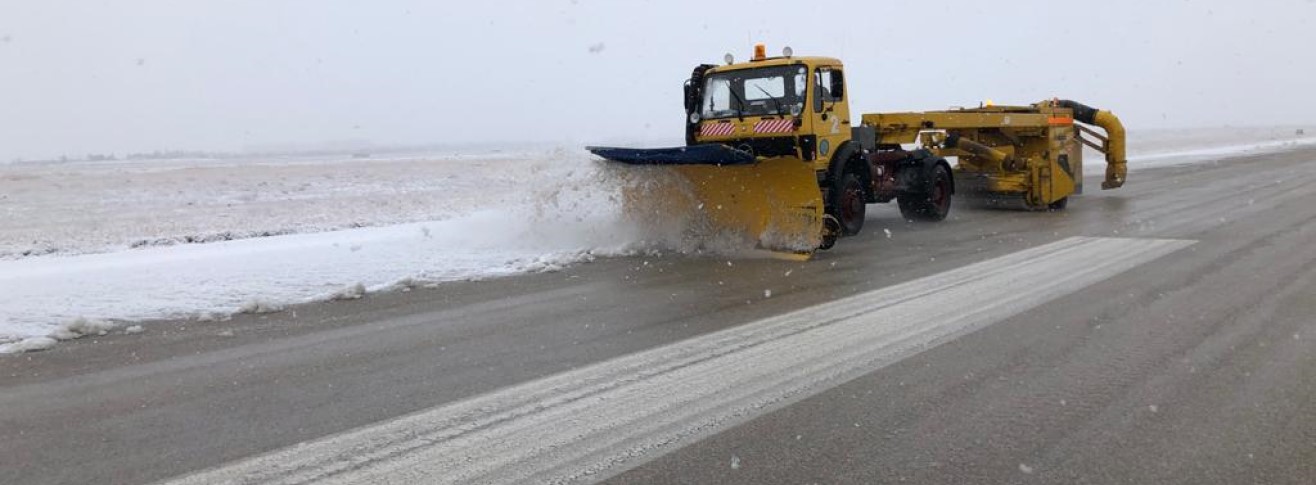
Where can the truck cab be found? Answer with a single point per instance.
(798, 107)
(771, 106)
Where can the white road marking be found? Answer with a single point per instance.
(599, 420)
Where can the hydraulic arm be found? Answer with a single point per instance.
(1112, 145)
(1031, 154)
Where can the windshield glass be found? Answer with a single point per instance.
(764, 91)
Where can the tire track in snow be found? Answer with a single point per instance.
(590, 423)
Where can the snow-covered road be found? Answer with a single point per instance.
(88, 245)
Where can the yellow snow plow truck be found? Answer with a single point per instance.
(773, 154)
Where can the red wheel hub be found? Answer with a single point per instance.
(852, 201)
(940, 193)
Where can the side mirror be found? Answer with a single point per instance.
(838, 86)
(689, 96)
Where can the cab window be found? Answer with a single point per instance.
(829, 86)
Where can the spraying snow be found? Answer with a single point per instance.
(565, 210)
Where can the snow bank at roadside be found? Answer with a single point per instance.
(263, 275)
(568, 212)
(1164, 159)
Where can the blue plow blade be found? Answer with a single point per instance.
(706, 154)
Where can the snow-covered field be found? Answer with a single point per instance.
(80, 207)
(1161, 148)
(89, 246)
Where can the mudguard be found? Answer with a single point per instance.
(840, 157)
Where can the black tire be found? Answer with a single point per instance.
(831, 232)
(827, 243)
(1059, 205)
(849, 205)
(932, 203)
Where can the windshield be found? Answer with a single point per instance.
(754, 92)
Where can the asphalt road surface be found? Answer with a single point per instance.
(1159, 333)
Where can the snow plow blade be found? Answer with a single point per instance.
(772, 202)
(708, 154)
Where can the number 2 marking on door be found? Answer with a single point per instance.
(836, 125)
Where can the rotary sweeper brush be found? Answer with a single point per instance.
(772, 155)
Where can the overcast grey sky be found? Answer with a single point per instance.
(117, 76)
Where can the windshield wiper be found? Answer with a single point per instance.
(776, 103)
(740, 113)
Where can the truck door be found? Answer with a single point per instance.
(831, 111)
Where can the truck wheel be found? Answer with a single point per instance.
(933, 203)
(848, 204)
(831, 232)
(1059, 205)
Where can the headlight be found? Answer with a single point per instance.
(694, 118)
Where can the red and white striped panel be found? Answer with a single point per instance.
(775, 126)
(717, 129)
